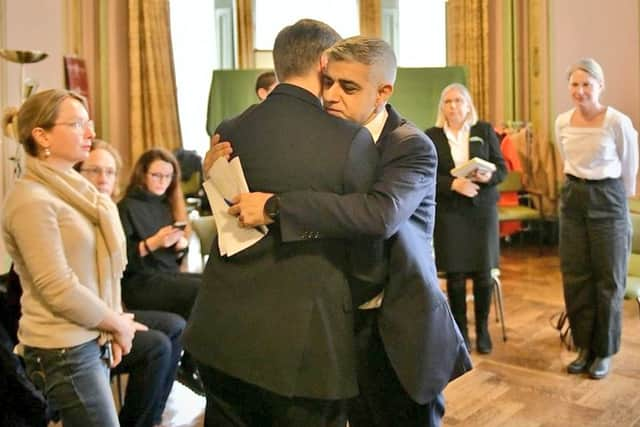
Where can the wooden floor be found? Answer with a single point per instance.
(523, 383)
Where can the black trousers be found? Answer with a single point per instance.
(173, 292)
(235, 403)
(595, 235)
(151, 366)
(383, 402)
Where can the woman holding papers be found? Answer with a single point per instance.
(153, 215)
(466, 231)
(599, 149)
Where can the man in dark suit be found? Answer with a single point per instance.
(272, 327)
(409, 347)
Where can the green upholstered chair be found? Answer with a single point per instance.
(206, 231)
(633, 274)
(529, 211)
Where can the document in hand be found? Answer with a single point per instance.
(469, 167)
(225, 181)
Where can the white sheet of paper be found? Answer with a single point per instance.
(225, 181)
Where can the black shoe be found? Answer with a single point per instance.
(191, 379)
(600, 367)
(581, 363)
(483, 341)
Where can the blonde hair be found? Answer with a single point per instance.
(472, 116)
(38, 111)
(589, 66)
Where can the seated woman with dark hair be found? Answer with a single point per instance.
(154, 218)
(153, 360)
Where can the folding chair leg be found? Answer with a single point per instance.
(497, 295)
(540, 236)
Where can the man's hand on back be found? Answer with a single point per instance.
(217, 149)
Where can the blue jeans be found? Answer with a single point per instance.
(75, 381)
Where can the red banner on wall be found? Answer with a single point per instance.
(75, 76)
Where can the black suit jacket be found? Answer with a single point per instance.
(415, 323)
(486, 146)
(472, 220)
(274, 315)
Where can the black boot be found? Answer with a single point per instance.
(188, 374)
(482, 305)
(458, 302)
(600, 367)
(581, 363)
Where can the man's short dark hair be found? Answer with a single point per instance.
(298, 47)
(265, 80)
(371, 51)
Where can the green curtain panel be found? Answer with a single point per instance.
(416, 93)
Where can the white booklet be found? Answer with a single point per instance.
(470, 166)
(226, 180)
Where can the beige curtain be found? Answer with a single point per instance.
(521, 90)
(468, 45)
(154, 110)
(245, 34)
(370, 18)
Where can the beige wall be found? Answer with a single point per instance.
(606, 31)
(27, 24)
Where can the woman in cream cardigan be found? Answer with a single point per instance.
(67, 244)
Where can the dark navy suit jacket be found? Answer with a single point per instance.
(419, 334)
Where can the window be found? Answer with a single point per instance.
(271, 16)
(417, 31)
(194, 55)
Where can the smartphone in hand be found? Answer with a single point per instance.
(180, 224)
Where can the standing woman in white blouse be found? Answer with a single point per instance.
(466, 237)
(599, 149)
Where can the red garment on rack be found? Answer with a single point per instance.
(512, 160)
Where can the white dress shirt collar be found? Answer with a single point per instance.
(376, 124)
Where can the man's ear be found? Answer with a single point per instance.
(384, 93)
(324, 60)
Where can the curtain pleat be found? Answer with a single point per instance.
(245, 34)
(370, 12)
(154, 107)
(468, 45)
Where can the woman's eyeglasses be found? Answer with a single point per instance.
(97, 171)
(160, 176)
(79, 125)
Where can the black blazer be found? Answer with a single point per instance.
(280, 316)
(415, 323)
(472, 220)
(486, 146)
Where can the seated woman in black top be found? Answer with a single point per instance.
(152, 205)
(154, 218)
